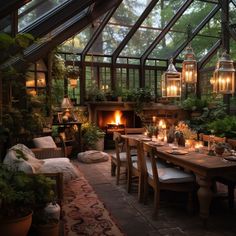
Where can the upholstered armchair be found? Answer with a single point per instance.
(45, 147)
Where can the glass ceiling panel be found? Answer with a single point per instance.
(151, 27)
(196, 12)
(118, 26)
(232, 15)
(5, 24)
(34, 10)
(206, 38)
(81, 39)
(168, 45)
(140, 41)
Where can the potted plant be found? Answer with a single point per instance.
(194, 105)
(151, 130)
(93, 137)
(221, 147)
(19, 194)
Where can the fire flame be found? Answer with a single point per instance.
(117, 118)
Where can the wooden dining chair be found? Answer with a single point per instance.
(133, 164)
(230, 180)
(207, 138)
(160, 176)
(118, 159)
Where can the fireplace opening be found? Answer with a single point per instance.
(111, 121)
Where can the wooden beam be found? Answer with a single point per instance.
(209, 55)
(196, 31)
(57, 17)
(166, 29)
(99, 30)
(8, 6)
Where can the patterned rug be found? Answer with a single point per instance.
(84, 214)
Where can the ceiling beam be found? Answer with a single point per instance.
(57, 17)
(165, 30)
(9, 6)
(99, 30)
(210, 54)
(134, 29)
(39, 50)
(196, 31)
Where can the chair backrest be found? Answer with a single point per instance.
(131, 144)
(151, 153)
(207, 138)
(134, 130)
(119, 144)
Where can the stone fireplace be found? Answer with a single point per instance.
(103, 114)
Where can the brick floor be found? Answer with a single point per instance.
(136, 219)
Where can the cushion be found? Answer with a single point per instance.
(44, 142)
(123, 156)
(172, 175)
(92, 156)
(15, 160)
(55, 165)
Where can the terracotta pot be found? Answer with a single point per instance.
(16, 227)
(48, 229)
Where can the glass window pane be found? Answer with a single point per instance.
(151, 27)
(118, 26)
(34, 10)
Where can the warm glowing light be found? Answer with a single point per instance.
(117, 118)
(162, 124)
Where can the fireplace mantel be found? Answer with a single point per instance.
(150, 109)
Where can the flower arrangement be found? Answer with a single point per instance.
(183, 128)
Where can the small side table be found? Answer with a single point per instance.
(78, 146)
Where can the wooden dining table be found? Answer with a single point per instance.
(206, 168)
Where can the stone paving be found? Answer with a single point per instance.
(135, 219)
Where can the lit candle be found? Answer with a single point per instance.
(154, 119)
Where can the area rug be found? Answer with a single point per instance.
(84, 214)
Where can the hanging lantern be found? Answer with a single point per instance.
(171, 82)
(189, 67)
(224, 75)
(73, 75)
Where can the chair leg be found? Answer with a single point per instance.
(145, 192)
(140, 189)
(118, 175)
(113, 168)
(129, 180)
(231, 196)
(156, 203)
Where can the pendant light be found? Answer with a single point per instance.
(189, 67)
(223, 80)
(171, 82)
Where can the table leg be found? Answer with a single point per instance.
(204, 196)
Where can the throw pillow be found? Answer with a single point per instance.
(55, 165)
(44, 142)
(19, 154)
(92, 156)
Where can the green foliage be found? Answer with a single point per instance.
(151, 130)
(18, 121)
(214, 111)
(223, 127)
(95, 94)
(20, 192)
(9, 46)
(58, 67)
(194, 104)
(73, 72)
(91, 133)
